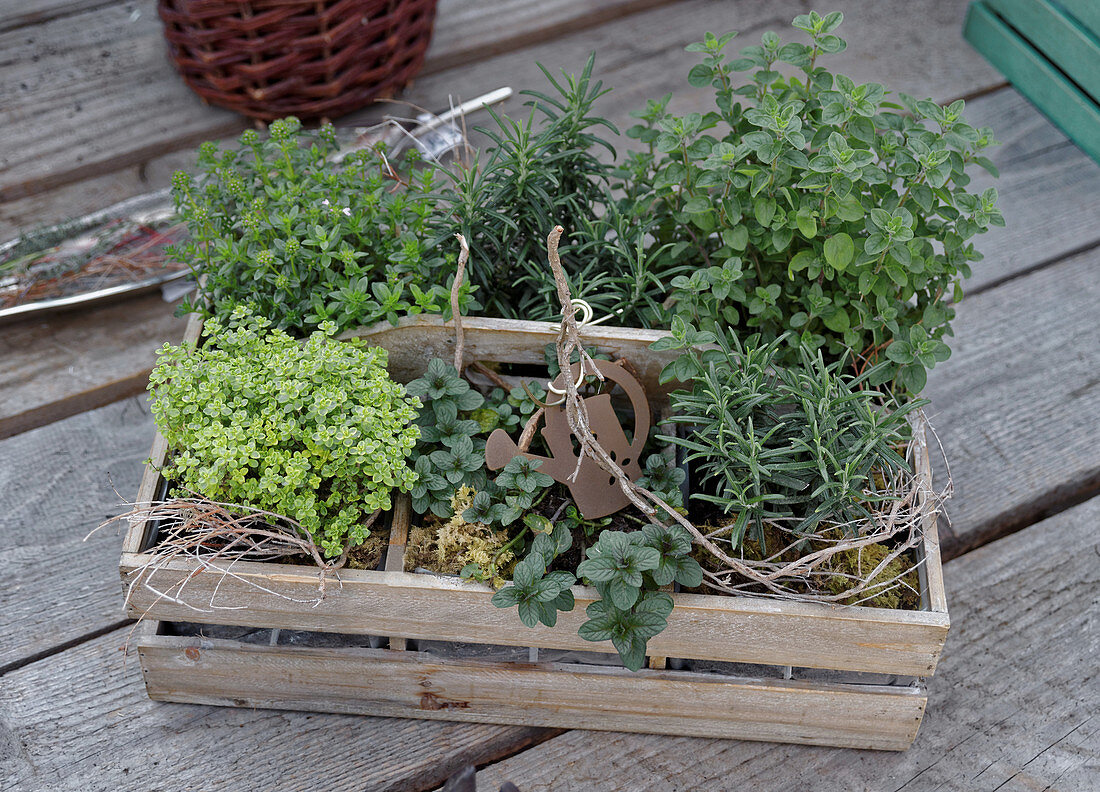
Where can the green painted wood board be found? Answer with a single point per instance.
(1072, 110)
(1087, 13)
(1063, 40)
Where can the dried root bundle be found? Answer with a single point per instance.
(215, 537)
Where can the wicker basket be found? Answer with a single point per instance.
(273, 58)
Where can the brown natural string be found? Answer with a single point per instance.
(456, 315)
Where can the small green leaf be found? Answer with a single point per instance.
(804, 259)
(764, 210)
(700, 75)
(806, 223)
(900, 352)
(838, 321)
(839, 251)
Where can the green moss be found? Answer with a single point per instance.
(859, 562)
(450, 546)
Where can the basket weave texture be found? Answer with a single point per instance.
(273, 58)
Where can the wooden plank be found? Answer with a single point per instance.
(399, 534)
(472, 30)
(380, 682)
(89, 195)
(56, 486)
(1063, 102)
(915, 46)
(1049, 190)
(1058, 37)
(80, 721)
(933, 595)
(417, 339)
(395, 550)
(55, 366)
(24, 13)
(1016, 405)
(738, 629)
(83, 401)
(100, 82)
(1012, 707)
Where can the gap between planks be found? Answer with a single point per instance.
(15, 665)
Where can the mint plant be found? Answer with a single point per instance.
(516, 490)
(317, 431)
(536, 592)
(811, 203)
(454, 421)
(627, 569)
(663, 478)
(277, 225)
(450, 454)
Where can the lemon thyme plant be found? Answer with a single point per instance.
(316, 431)
(278, 225)
(811, 203)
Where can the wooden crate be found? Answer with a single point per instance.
(1050, 51)
(864, 647)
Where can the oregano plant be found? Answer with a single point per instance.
(813, 203)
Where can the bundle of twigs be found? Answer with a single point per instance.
(215, 536)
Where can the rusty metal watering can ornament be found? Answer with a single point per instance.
(595, 491)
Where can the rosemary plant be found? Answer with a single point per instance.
(768, 441)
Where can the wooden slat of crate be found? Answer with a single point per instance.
(1063, 102)
(1061, 39)
(411, 684)
(736, 629)
(416, 339)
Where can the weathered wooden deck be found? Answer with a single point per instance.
(90, 113)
